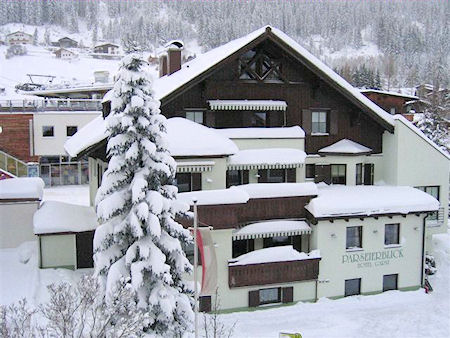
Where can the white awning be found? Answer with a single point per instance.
(247, 105)
(194, 166)
(266, 158)
(272, 229)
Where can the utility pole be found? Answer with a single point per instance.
(195, 270)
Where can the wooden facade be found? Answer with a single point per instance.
(273, 273)
(229, 216)
(302, 89)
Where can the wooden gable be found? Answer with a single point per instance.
(292, 81)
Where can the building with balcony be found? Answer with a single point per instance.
(311, 189)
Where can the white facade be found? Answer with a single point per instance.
(16, 223)
(60, 121)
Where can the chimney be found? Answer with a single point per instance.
(170, 62)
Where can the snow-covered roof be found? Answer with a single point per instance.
(90, 134)
(345, 146)
(190, 70)
(386, 92)
(57, 217)
(263, 133)
(274, 190)
(24, 188)
(267, 158)
(233, 195)
(247, 105)
(166, 85)
(271, 229)
(401, 119)
(275, 254)
(108, 96)
(339, 200)
(185, 138)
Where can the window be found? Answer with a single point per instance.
(364, 173)
(295, 241)
(433, 191)
(319, 122)
(237, 177)
(267, 296)
(393, 110)
(242, 246)
(256, 64)
(71, 130)
(195, 116)
(354, 237)
(276, 175)
(352, 287)
(48, 131)
(390, 282)
(359, 174)
(310, 171)
(392, 234)
(258, 119)
(188, 182)
(338, 173)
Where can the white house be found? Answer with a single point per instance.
(310, 188)
(66, 54)
(19, 200)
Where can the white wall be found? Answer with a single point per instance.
(335, 268)
(16, 223)
(412, 161)
(295, 143)
(53, 146)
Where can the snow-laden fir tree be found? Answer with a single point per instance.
(138, 237)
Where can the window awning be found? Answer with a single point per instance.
(272, 229)
(247, 105)
(266, 158)
(194, 166)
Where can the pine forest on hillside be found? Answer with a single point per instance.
(410, 38)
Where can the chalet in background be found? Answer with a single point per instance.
(19, 38)
(312, 190)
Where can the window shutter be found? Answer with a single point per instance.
(245, 177)
(291, 175)
(306, 121)
(196, 181)
(210, 120)
(262, 176)
(253, 298)
(288, 295)
(333, 122)
(205, 304)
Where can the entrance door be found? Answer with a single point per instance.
(84, 249)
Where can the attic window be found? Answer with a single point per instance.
(257, 65)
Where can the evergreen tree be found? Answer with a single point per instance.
(138, 237)
(35, 37)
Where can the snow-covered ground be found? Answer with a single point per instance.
(391, 314)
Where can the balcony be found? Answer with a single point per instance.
(274, 272)
(435, 219)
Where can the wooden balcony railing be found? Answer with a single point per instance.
(273, 273)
